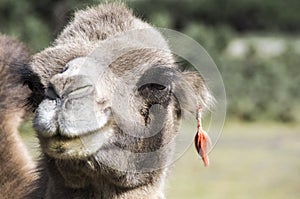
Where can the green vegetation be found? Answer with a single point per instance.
(263, 89)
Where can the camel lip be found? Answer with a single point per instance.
(59, 134)
(79, 147)
(61, 137)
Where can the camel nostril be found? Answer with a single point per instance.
(80, 91)
(101, 101)
(107, 110)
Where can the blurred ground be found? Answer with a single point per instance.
(251, 160)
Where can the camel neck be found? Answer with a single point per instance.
(17, 169)
(79, 182)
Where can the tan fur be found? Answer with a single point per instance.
(16, 167)
(88, 28)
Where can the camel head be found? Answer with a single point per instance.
(108, 96)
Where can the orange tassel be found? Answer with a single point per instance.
(202, 141)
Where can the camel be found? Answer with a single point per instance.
(107, 96)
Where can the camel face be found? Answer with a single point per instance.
(91, 105)
(105, 101)
(112, 104)
(113, 101)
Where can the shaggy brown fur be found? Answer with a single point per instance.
(15, 165)
(68, 168)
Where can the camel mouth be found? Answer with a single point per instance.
(79, 147)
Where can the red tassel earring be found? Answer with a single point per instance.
(202, 140)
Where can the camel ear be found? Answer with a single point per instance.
(195, 92)
(196, 88)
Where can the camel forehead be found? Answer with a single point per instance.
(129, 67)
(132, 48)
(122, 54)
(105, 33)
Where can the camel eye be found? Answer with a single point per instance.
(154, 93)
(157, 86)
(153, 86)
(51, 93)
(37, 89)
(151, 89)
(30, 85)
(65, 69)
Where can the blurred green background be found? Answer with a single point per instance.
(256, 46)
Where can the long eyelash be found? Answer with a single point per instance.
(32, 80)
